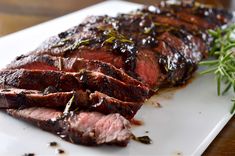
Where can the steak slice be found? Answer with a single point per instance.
(47, 62)
(20, 98)
(67, 81)
(87, 128)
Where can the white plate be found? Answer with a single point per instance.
(188, 121)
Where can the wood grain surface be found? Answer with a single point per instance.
(16, 15)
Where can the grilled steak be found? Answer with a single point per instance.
(20, 98)
(107, 65)
(47, 62)
(87, 128)
(159, 45)
(62, 81)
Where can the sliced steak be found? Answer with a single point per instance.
(47, 62)
(20, 98)
(66, 81)
(87, 128)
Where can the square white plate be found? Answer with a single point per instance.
(187, 122)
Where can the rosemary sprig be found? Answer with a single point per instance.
(113, 35)
(77, 44)
(68, 105)
(223, 64)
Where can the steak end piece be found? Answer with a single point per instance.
(87, 128)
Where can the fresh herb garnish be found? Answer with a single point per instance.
(110, 39)
(113, 35)
(147, 30)
(77, 44)
(61, 43)
(68, 105)
(223, 64)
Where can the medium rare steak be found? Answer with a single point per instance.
(87, 128)
(67, 81)
(137, 42)
(21, 98)
(47, 62)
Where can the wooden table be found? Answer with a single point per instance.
(16, 15)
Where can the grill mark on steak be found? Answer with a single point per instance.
(66, 81)
(87, 128)
(47, 62)
(21, 98)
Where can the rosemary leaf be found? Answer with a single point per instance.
(68, 105)
(213, 33)
(210, 62)
(218, 84)
(211, 70)
(227, 88)
(233, 108)
(110, 40)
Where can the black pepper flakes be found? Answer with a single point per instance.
(29, 154)
(53, 144)
(63, 35)
(60, 151)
